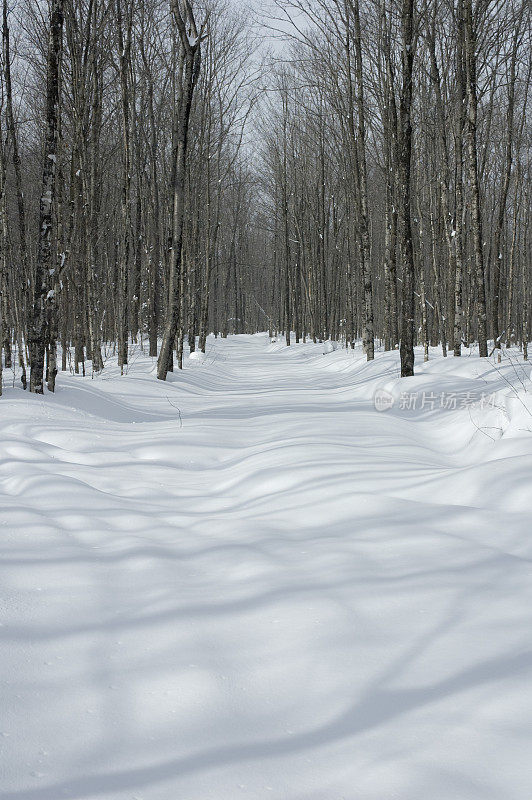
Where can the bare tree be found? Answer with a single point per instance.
(187, 70)
(44, 269)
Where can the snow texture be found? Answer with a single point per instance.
(248, 582)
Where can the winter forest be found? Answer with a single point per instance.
(265, 400)
(369, 178)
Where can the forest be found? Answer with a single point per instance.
(266, 412)
(347, 170)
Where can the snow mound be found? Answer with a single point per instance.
(261, 580)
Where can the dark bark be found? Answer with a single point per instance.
(42, 290)
(187, 75)
(407, 252)
(469, 37)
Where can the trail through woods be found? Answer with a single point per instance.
(249, 582)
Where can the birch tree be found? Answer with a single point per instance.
(45, 268)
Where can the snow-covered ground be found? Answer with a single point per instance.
(248, 582)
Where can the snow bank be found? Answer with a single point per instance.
(249, 582)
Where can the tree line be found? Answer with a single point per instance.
(163, 176)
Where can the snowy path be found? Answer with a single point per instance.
(250, 583)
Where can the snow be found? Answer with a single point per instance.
(197, 355)
(249, 582)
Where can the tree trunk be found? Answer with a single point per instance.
(407, 252)
(474, 183)
(37, 337)
(189, 65)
